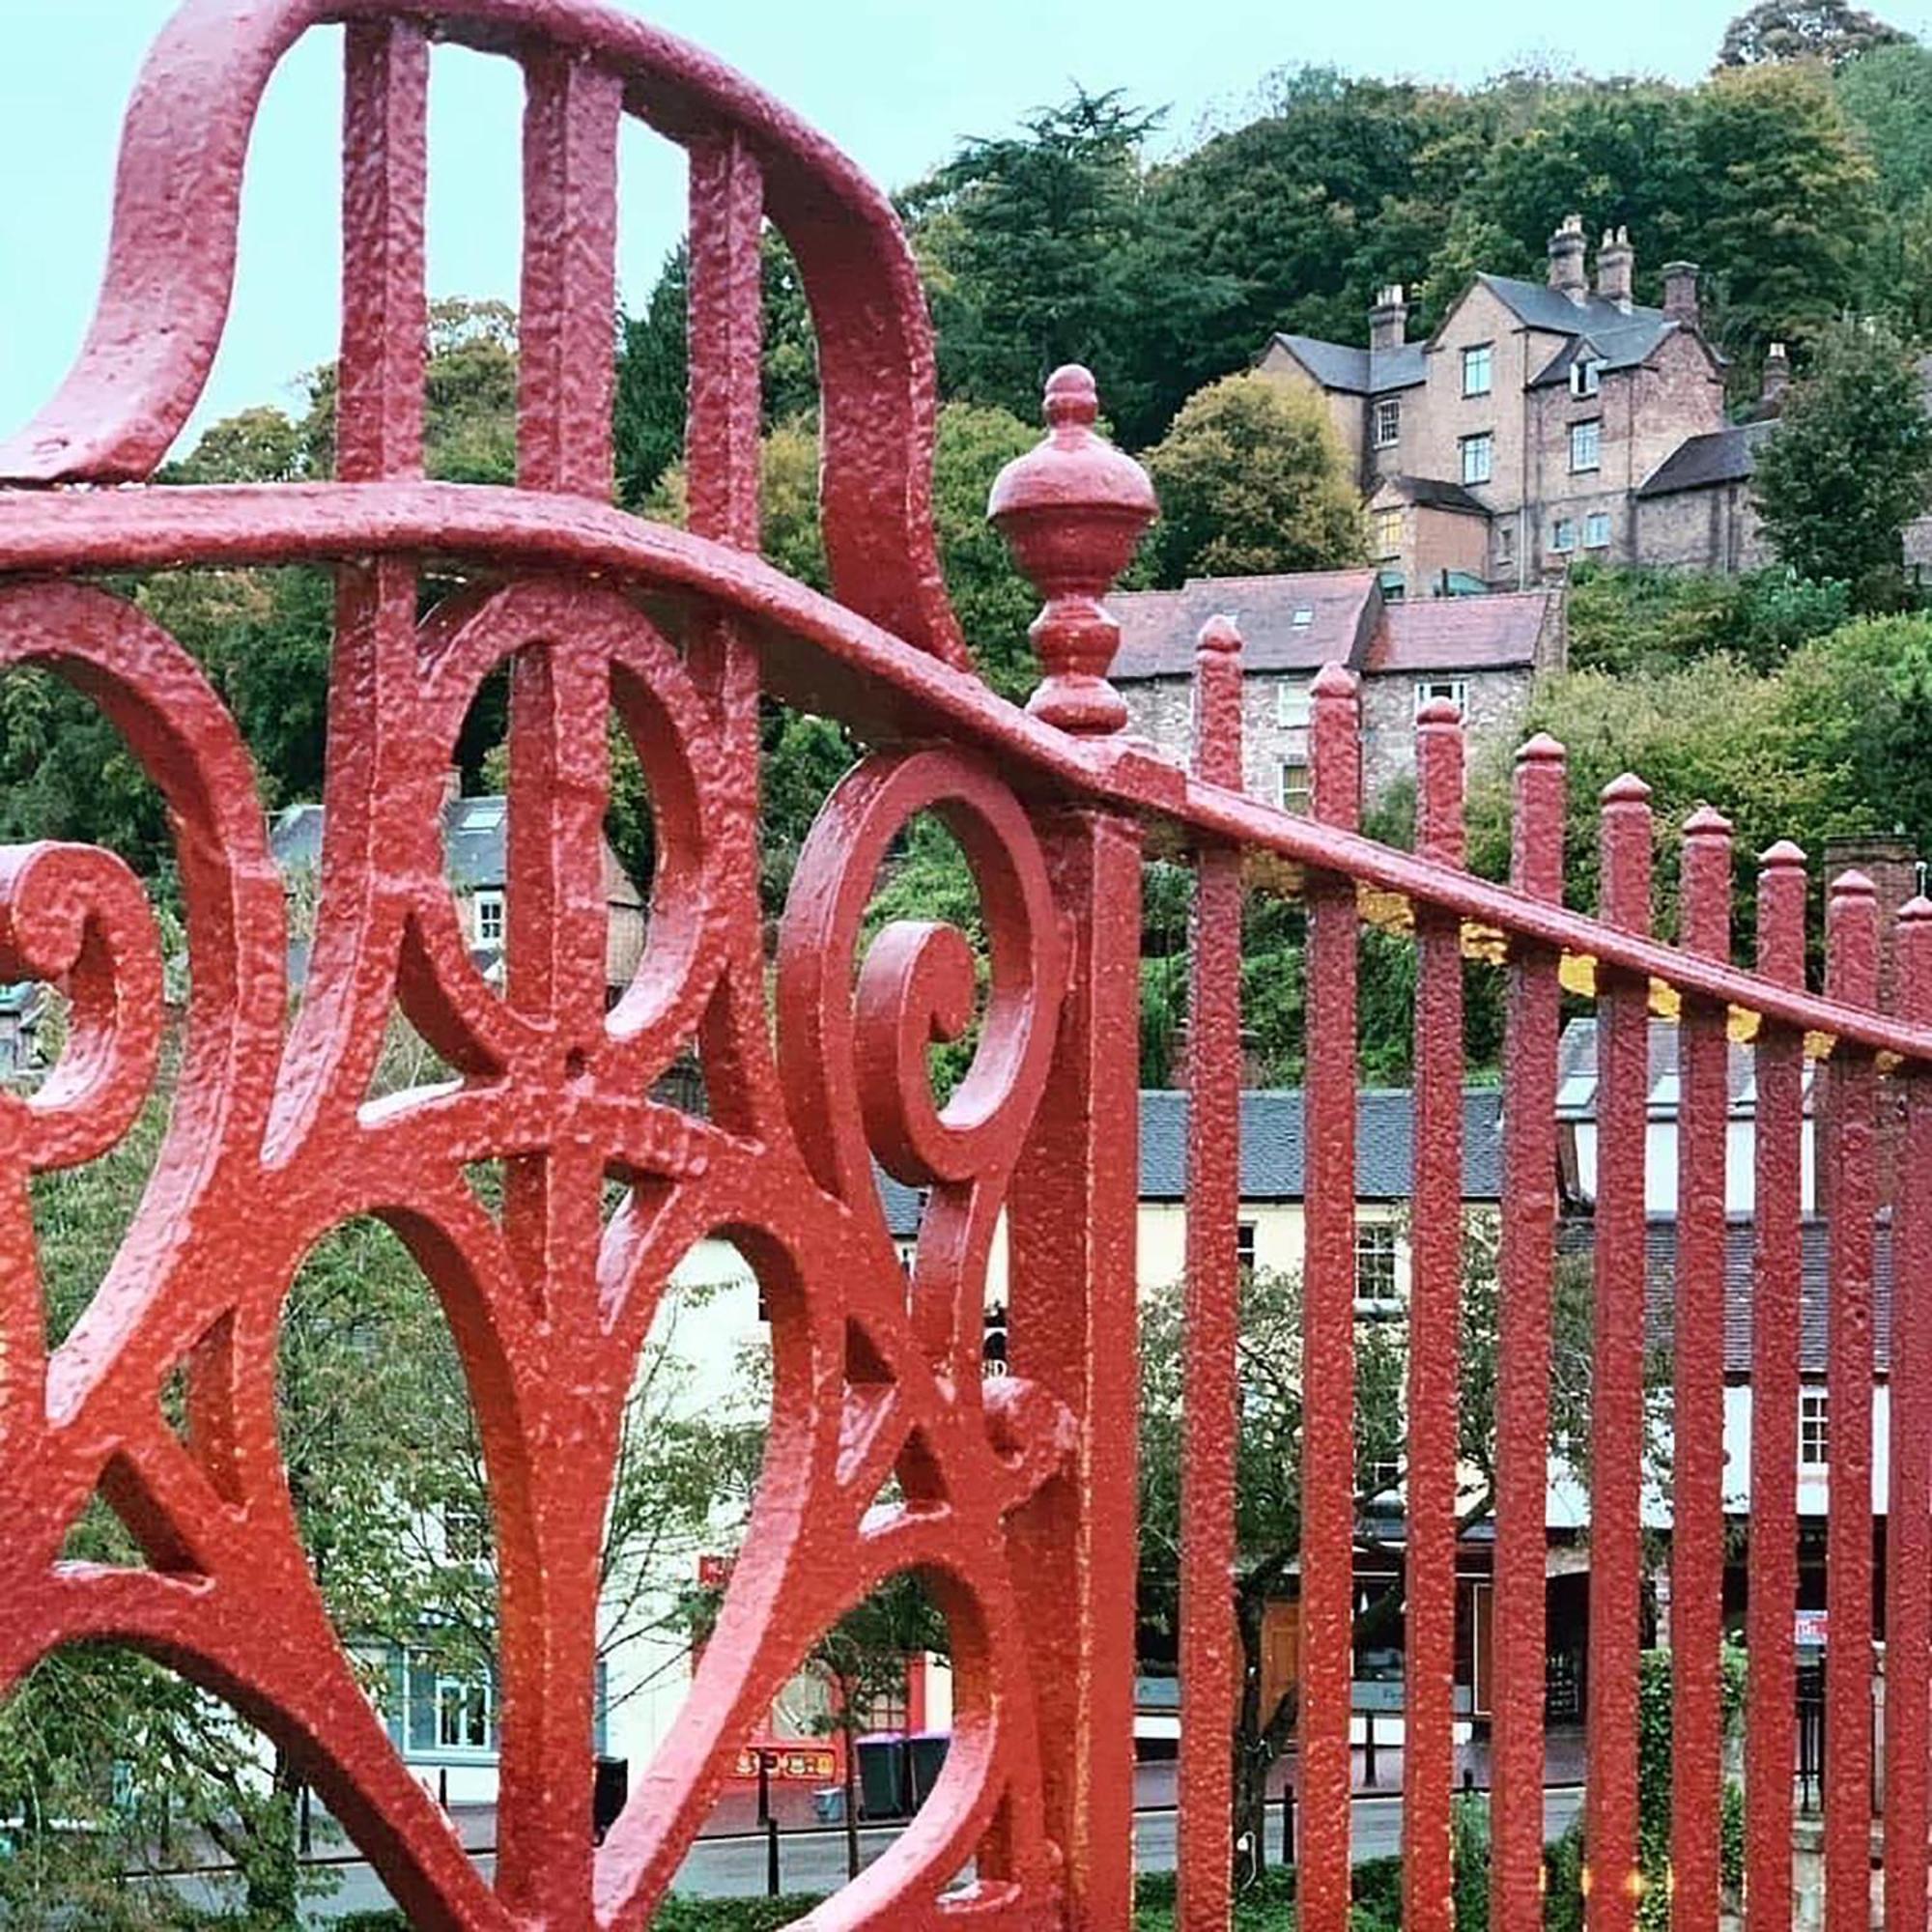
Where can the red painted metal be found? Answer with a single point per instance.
(1522, 1396)
(1771, 1737)
(1908, 1570)
(1616, 1387)
(1698, 1489)
(1018, 1500)
(1328, 1333)
(1435, 1294)
(1209, 1657)
(1852, 972)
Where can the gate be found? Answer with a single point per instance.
(1016, 1495)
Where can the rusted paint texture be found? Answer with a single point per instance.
(1015, 1500)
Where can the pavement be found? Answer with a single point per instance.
(729, 1860)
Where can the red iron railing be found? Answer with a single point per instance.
(1019, 1493)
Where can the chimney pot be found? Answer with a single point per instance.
(1388, 320)
(1565, 259)
(1680, 292)
(1617, 264)
(1777, 374)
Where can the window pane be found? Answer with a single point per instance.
(1584, 444)
(1477, 453)
(1476, 370)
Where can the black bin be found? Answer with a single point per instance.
(925, 1751)
(607, 1794)
(883, 1783)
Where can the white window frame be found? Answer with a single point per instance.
(1586, 378)
(1478, 369)
(1388, 421)
(1814, 1429)
(1378, 1245)
(1597, 530)
(1245, 1232)
(1294, 704)
(1505, 542)
(472, 1696)
(1455, 689)
(1563, 545)
(1383, 522)
(1482, 441)
(490, 912)
(1594, 425)
(1303, 789)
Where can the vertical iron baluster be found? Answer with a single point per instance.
(1697, 1415)
(1522, 1395)
(1778, 1057)
(1436, 1281)
(1209, 1675)
(1851, 977)
(567, 348)
(379, 410)
(726, 336)
(1328, 1337)
(1907, 1565)
(1616, 1434)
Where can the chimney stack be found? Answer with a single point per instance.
(1388, 320)
(1776, 378)
(1680, 292)
(1616, 262)
(1565, 259)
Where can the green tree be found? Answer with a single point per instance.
(1849, 465)
(1778, 31)
(1791, 204)
(1638, 620)
(1023, 239)
(1252, 478)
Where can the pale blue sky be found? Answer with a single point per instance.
(893, 83)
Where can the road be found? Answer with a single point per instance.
(815, 1861)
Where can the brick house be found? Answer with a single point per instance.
(1542, 423)
(1482, 653)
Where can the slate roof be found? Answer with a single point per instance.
(1496, 631)
(1578, 1236)
(1576, 1073)
(1433, 492)
(1361, 372)
(1537, 306)
(1626, 344)
(1274, 1151)
(1296, 620)
(1718, 456)
(474, 838)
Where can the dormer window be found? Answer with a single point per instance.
(1586, 376)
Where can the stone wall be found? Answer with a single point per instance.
(1161, 711)
(1715, 528)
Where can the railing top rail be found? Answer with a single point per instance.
(876, 682)
(170, 270)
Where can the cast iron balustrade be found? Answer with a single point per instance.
(1018, 1490)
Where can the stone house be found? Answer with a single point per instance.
(476, 842)
(1481, 653)
(1542, 423)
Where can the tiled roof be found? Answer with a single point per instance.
(1576, 1073)
(1446, 633)
(1361, 372)
(1294, 621)
(1273, 1148)
(1718, 456)
(1579, 1237)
